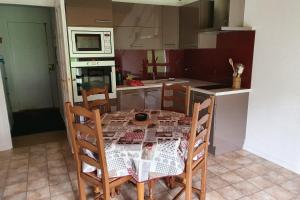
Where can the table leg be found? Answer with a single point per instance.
(140, 190)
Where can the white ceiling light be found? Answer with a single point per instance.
(159, 2)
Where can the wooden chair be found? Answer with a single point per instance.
(78, 132)
(193, 166)
(180, 98)
(99, 103)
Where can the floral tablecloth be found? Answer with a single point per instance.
(144, 150)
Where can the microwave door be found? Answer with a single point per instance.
(88, 42)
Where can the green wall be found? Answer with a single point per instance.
(15, 13)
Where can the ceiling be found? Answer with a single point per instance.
(159, 2)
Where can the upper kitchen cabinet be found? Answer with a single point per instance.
(189, 25)
(96, 13)
(170, 27)
(137, 26)
(136, 15)
(137, 37)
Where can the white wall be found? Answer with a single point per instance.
(5, 138)
(273, 129)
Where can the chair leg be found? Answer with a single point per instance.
(171, 182)
(113, 192)
(81, 189)
(151, 184)
(203, 180)
(188, 186)
(117, 190)
(96, 189)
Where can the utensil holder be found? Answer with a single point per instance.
(236, 82)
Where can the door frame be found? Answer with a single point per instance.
(64, 76)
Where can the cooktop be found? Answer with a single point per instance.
(212, 87)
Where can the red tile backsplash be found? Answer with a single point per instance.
(131, 60)
(202, 64)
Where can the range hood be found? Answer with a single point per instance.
(225, 15)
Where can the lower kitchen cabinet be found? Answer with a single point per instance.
(131, 99)
(153, 98)
(139, 99)
(229, 121)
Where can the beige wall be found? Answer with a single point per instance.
(273, 129)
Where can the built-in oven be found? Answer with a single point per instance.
(91, 42)
(88, 74)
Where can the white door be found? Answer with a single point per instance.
(30, 66)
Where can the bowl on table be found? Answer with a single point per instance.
(141, 117)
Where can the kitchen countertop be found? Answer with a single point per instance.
(193, 83)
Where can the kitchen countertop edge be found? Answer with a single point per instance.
(194, 83)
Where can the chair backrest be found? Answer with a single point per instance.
(99, 103)
(79, 133)
(205, 121)
(178, 101)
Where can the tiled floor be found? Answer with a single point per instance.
(47, 171)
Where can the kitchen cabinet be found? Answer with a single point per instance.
(131, 99)
(137, 26)
(170, 27)
(136, 15)
(137, 37)
(236, 13)
(95, 13)
(207, 40)
(140, 99)
(189, 26)
(229, 121)
(153, 98)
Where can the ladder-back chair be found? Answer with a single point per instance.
(197, 155)
(79, 133)
(102, 104)
(179, 99)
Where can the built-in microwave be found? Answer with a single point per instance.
(91, 42)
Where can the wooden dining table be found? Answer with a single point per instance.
(146, 150)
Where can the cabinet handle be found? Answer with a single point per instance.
(131, 94)
(169, 44)
(136, 45)
(103, 21)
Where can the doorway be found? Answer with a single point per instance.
(30, 67)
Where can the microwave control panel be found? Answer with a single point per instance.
(107, 42)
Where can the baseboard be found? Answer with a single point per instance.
(278, 161)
